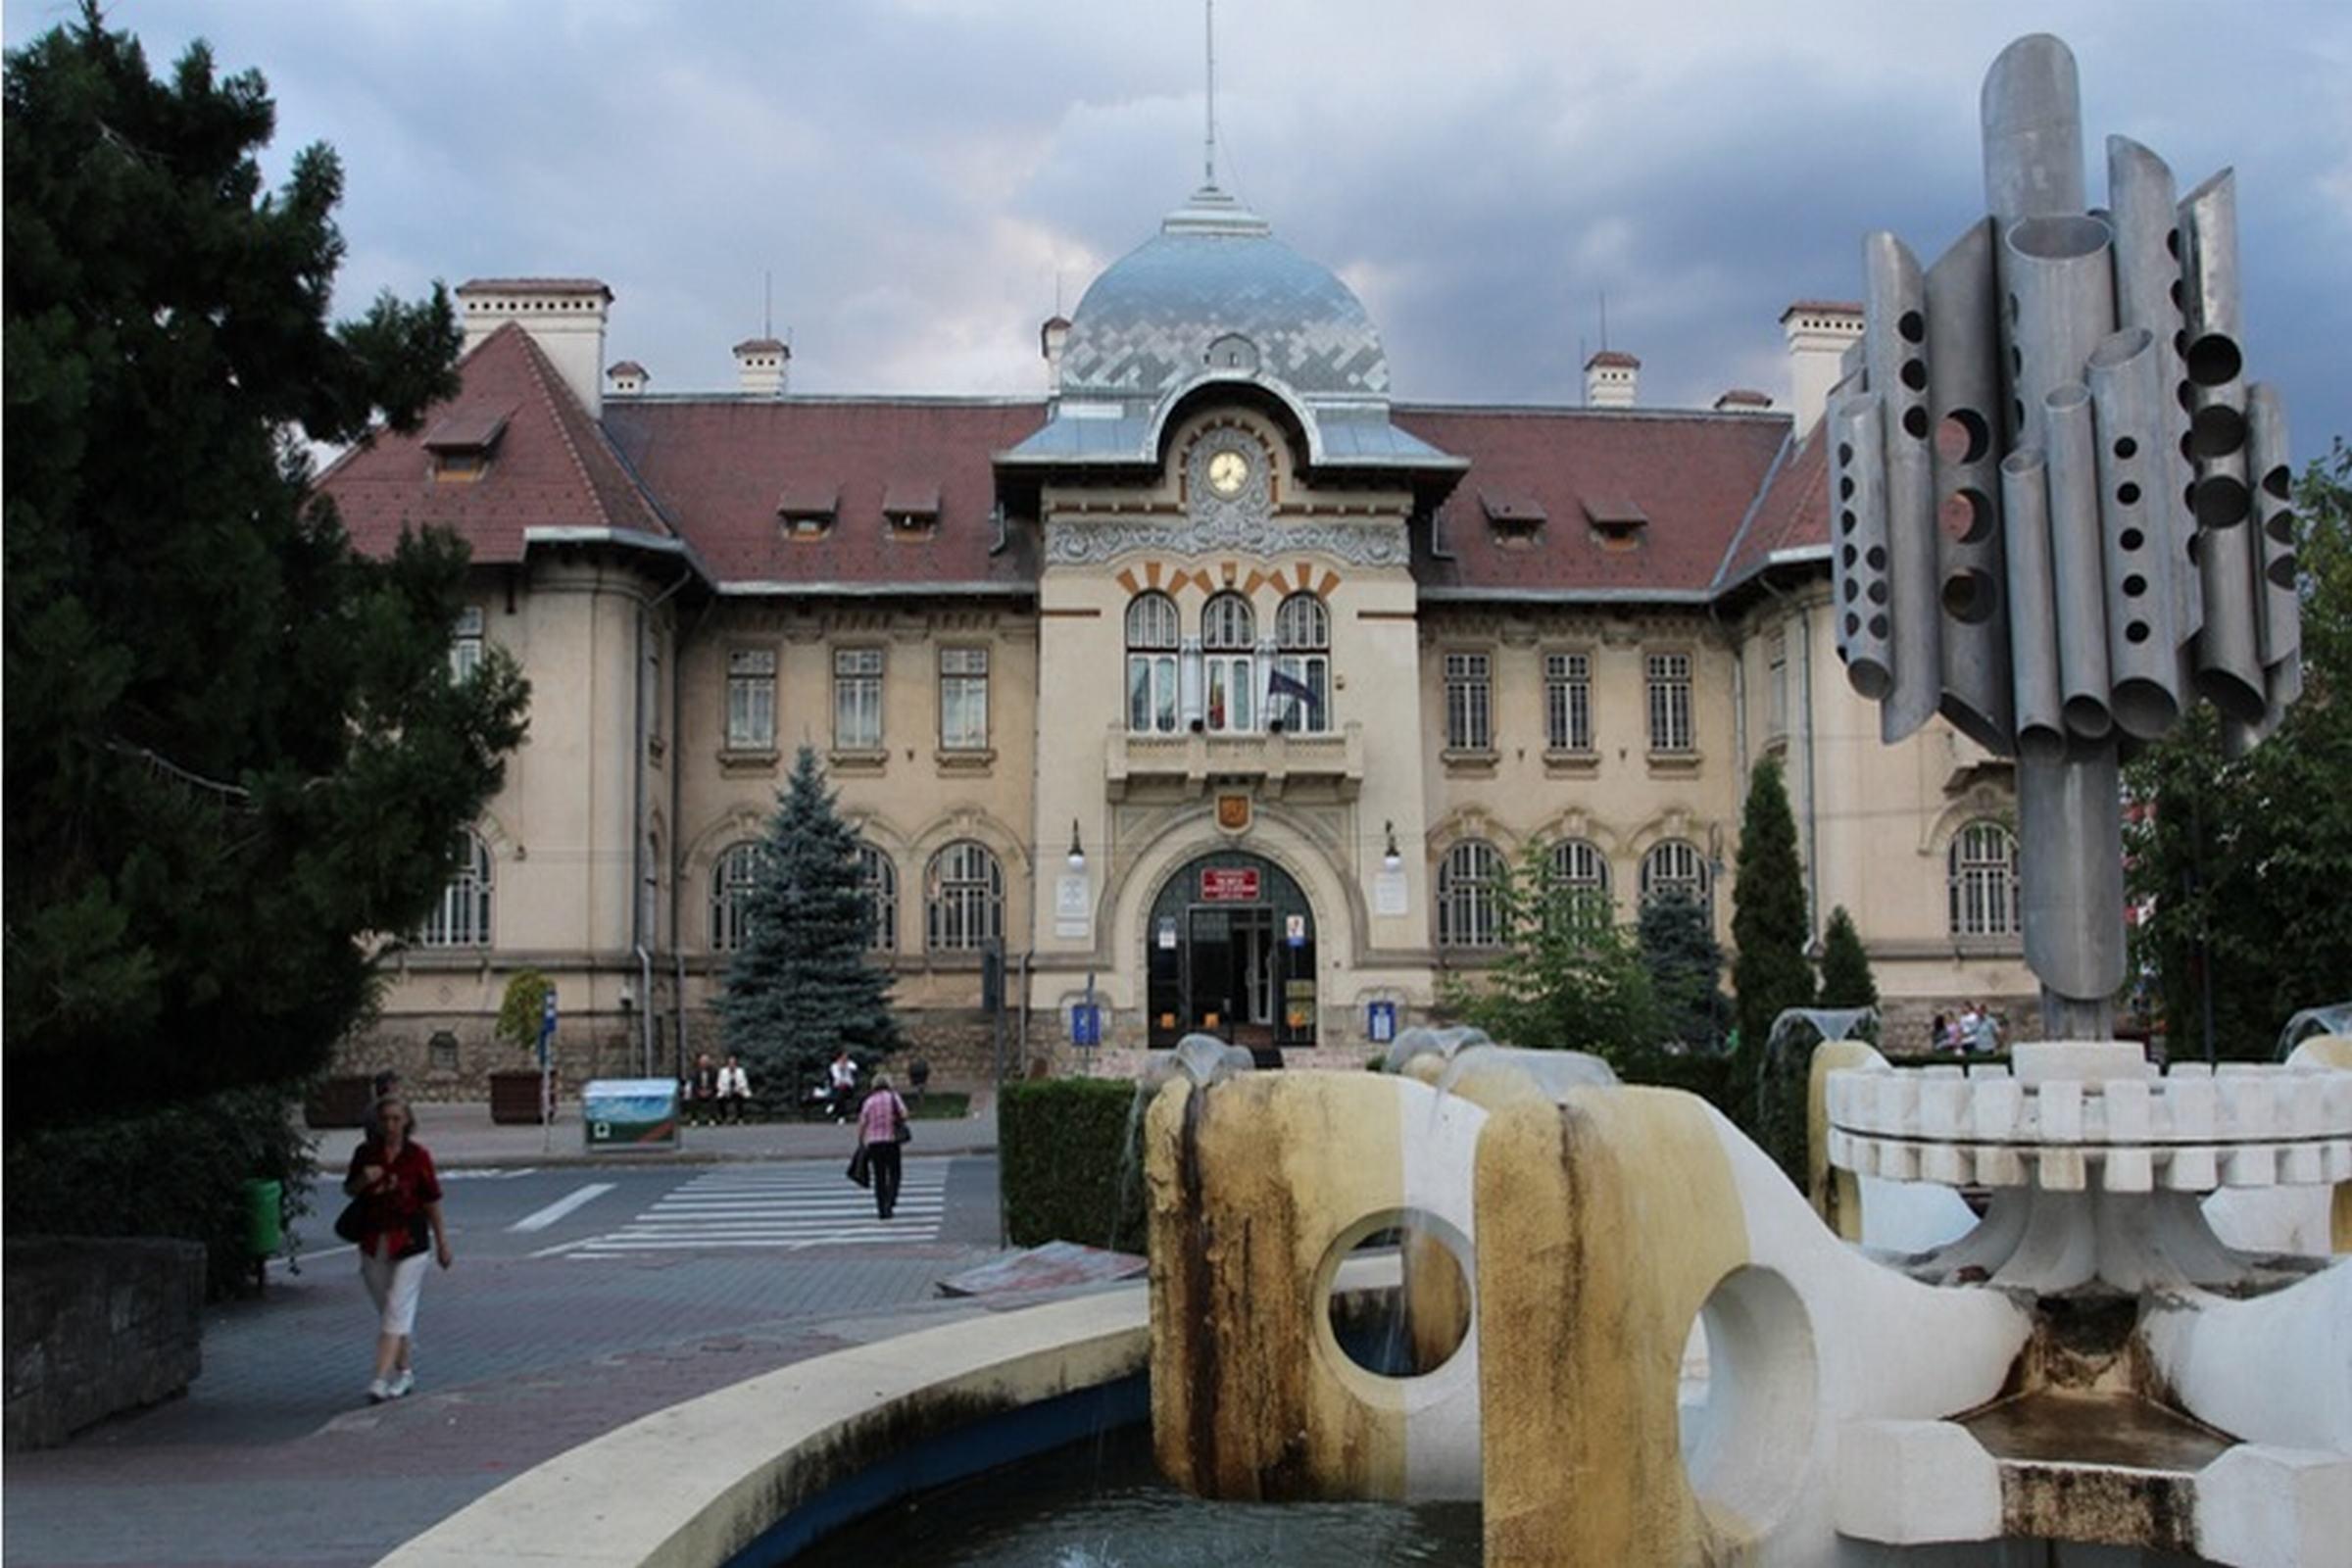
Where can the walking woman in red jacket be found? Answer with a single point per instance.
(400, 1208)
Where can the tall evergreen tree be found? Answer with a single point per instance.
(1568, 979)
(802, 984)
(1685, 964)
(233, 747)
(2241, 863)
(1845, 980)
(1771, 972)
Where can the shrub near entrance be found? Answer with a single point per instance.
(1071, 1163)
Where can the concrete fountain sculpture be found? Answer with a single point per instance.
(2060, 520)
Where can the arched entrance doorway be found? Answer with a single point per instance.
(1230, 949)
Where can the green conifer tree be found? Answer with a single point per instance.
(234, 748)
(1845, 980)
(1685, 961)
(1771, 972)
(802, 985)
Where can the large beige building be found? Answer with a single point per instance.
(1217, 680)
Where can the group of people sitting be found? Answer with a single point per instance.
(1973, 1033)
(711, 1094)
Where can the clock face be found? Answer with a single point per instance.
(1228, 471)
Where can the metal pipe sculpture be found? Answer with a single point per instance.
(2115, 541)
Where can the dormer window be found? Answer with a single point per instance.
(1233, 352)
(1515, 519)
(807, 510)
(1616, 519)
(910, 507)
(462, 444)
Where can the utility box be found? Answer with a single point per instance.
(630, 1113)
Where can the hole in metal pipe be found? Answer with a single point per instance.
(2216, 431)
(2219, 500)
(2212, 359)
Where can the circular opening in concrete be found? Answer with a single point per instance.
(1396, 1292)
(1747, 1418)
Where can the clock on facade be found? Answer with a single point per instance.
(1228, 471)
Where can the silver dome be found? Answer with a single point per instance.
(1214, 290)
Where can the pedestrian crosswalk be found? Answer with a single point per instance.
(779, 1208)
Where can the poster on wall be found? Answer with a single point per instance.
(1070, 905)
(1387, 893)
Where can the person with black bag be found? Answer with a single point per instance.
(395, 1217)
(881, 1129)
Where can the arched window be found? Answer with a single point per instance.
(966, 898)
(1468, 914)
(1983, 865)
(1152, 637)
(1229, 639)
(1576, 876)
(733, 878)
(1675, 863)
(1298, 691)
(462, 919)
(881, 882)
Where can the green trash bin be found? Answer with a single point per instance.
(264, 1219)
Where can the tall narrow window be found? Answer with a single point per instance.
(1983, 865)
(1152, 637)
(1229, 639)
(465, 643)
(733, 879)
(1568, 702)
(1468, 912)
(1298, 690)
(881, 881)
(751, 699)
(1675, 864)
(966, 898)
(462, 919)
(1670, 702)
(1776, 682)
(963, 699)
(1469, 703)
(1576, 877)
(857, 699)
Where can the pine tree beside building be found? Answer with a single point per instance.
(803, 985)
(1771, 973)
(1845, 980)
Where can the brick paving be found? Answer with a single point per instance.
(272, 1458)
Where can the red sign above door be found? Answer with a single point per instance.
(1229, 884)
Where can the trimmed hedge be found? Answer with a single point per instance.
(1070, 1157)
(1714, 1078)
(179, 1170)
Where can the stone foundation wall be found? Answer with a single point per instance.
(96, 1326)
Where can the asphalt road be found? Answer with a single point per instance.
(581, 1298)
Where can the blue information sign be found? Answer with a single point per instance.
(547, 1023)
(1086, 1025)
(1381, 1024)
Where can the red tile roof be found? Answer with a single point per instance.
(1692, 475)
(1793, 512)
(553, 467)
(1823, 308)
(535, 285)
(722, 464)
(1617, 357)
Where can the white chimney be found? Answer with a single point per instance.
(564, 317)
(628, 378)
(1819, 333)
(761, 364)
(1610, 380)
(1049, 339)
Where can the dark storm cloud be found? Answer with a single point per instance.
(916, 177)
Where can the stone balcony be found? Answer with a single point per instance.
(1275, 762)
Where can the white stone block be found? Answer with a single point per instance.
(1942, 1106)
(1905, 1483)
(2200, 1071)
(2302, 1164)
(1944, 1163)
(1841, 1149)
(1895, 1108)
(2301, 1104)
(2000, 1166)
(2127, 1116)
(2193, 1170)
(1898, 1161)
(2258, 1504)
(1994, 1105)
(1982, 1071)
(2249, 1106)
(2337, 1159)
(2060, 1107)
(2128, 1170)
(2335, 1101)
(2042, 1061)
(2061, 1169)
(2191, 1103)
(1839, 1097)
(2251, 1166)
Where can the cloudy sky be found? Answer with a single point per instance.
(920, 177)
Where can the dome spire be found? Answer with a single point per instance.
(1208, 142)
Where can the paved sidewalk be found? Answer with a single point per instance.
(461, 1135)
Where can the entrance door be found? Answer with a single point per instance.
(1231, 953)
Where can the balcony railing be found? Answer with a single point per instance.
(1278, 760)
